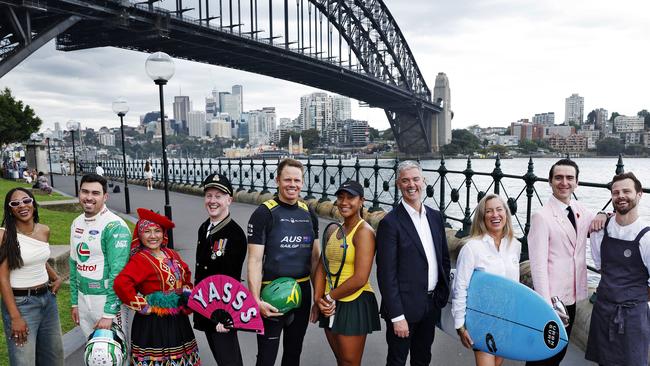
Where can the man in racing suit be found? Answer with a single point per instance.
(99, 249)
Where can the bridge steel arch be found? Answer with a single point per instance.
(387, 77)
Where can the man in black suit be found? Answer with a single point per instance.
(412, 271)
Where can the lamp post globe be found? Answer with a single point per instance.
(72, 126)
(121, 107)
(160, 68)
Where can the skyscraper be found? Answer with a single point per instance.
(341, 108)
(196, 123)
(181, 109)
(316, 111)
(574, 109)
(212, 104)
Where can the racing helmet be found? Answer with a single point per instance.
(283, 293)
(106, 347)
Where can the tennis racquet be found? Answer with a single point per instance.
(335, 247)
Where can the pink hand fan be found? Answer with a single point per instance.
(225, 300)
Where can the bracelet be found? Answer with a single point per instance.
(329, 298)
(461, 329)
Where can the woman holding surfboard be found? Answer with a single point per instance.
(492, 247)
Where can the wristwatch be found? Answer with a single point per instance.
(329, 298)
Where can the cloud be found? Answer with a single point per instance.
(505, 59)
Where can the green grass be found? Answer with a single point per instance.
(6, 185)
(63, 303)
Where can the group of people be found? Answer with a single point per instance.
(39, 179)
(111, 270)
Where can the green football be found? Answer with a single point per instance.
(283, 293)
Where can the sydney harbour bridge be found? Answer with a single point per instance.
(350, 47)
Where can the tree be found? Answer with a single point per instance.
(610, 146)
(613, 116)
(634, 149)
(387, 134)
(17, 121)
(373, 134)
(310, 138)
(591, 117)
(498, 149)
(528, 146)
(646, 117)
(462, 142)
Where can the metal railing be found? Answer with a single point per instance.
(456, 189)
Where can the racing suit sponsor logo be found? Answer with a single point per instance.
(83, 267)
(121, 244)
(79, 231)
(293, 221)
(93, 232)
(83, 252)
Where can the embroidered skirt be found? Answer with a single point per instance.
(163, 340)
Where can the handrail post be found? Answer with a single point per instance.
(497, 174)
(309, 192)
(530, 179)
(442, 172)
(252, 189)
(323, 197)
(375, 198)
(467, 221)
(396, 194)
(241, 177)
(194, 171)
(265, 188)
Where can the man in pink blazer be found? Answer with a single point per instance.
(557, 245)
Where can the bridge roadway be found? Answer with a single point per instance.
(188, 213)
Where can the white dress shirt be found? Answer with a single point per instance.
(482, 253)
(628, 232)
(424, 232)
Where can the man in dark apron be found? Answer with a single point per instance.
(620, 322)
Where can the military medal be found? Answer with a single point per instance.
(219, 248)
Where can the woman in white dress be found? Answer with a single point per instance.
(148, 175)
(492, 247)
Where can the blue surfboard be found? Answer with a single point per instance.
(508, 319)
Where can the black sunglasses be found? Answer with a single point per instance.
(24, 201)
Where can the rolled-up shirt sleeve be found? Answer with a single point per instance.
(595, 239)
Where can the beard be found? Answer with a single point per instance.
(630, 205)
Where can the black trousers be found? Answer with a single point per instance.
(555, 360)
(293, 325)
(419, 341)
(225, 348)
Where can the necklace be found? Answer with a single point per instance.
(29, 233)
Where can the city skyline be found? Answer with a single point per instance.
(497, 75)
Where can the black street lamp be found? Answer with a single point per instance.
(160, 68)
(121, 108)
(49, 158)
(72, 127)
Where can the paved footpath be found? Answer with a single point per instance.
(188, 213)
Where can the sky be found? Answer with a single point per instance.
(505, 60)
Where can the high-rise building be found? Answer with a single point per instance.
(181, 109)
(261, 125)
(197, 123)
(341, 108)
(219, 127)
(230, 104)
(212, 104)
(106, 137)
(316, 111)
(602, 120)
(238, 93)
(442, 95)
(624, 124)
(574, 109)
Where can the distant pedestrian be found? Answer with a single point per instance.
(64, 169)
(220, 249)
(43, 183)
(148, 175)
(99, 170)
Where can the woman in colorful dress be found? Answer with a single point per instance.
(28, 285)
(156, 284)
(353, 300)
(493, 247)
